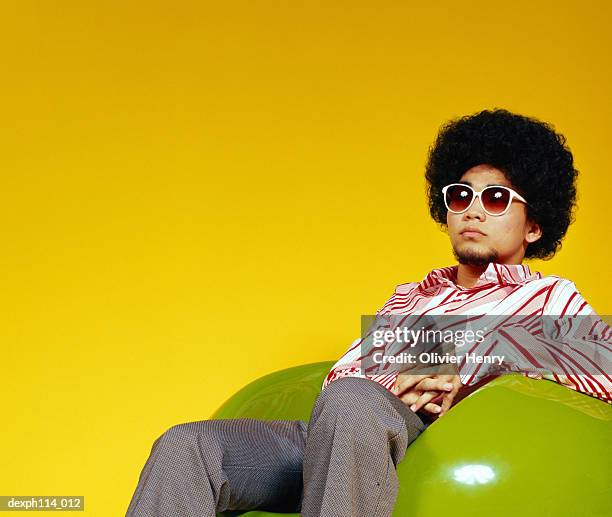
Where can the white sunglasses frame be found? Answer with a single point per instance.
(513, 195)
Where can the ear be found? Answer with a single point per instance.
(533, 231)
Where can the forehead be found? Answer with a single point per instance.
(484, 175)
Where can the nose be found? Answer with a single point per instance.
(475, 211)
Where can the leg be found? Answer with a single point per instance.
(357, 434)
(197, 469)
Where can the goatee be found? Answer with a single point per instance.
(475, 258)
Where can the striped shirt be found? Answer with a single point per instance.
(506, 289)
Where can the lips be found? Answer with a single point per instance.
(472, 231)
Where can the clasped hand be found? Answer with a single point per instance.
(432, 393)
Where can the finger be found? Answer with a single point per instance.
(447, 401)
(435, 381)
(426, 397)
(429, 384)
(405, 382)
(432, 408)
(410, 397)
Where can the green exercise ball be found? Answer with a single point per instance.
(514, 447)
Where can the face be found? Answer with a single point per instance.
(504, 238)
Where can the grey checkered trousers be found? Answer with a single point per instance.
(342, 463)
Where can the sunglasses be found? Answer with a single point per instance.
(495, 200)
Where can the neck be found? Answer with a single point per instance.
(467, 275)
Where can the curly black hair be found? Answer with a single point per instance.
(532, 156)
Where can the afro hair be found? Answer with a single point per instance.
(532, 156)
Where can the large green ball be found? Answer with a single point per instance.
(515, 447)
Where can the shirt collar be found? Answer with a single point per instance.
(500, 274)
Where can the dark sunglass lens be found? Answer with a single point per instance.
(458, 197)
(495, 200)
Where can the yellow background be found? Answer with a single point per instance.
(194, 194)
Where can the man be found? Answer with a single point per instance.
(504, 187)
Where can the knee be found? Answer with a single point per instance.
(179, 432)
(350, 395)
(364, 402)
(187, 435)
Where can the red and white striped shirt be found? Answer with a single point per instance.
(506, 289)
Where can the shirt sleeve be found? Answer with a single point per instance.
(567, 343)
(349, 365)
(581, 341)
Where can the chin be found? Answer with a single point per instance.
(475, 255)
